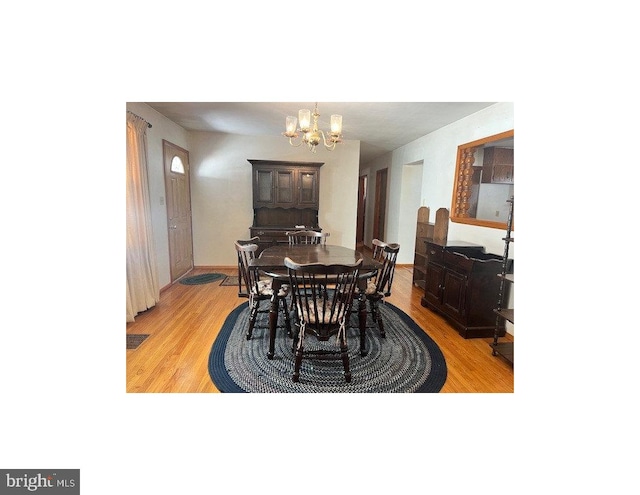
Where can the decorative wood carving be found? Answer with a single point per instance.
(465, 176)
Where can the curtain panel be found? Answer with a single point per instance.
(142, 279)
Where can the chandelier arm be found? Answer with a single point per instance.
(295, 145)
(331, 146)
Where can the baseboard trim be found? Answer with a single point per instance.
(216, 267)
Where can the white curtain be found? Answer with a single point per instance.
(142, 278)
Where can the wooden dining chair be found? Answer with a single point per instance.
(242, 287)
(258, 288)
(379, 285)
(322, 313)
(307, 237)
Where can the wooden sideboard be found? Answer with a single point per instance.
(462, 285)
(286, 197)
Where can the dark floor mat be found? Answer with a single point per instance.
(135, 339)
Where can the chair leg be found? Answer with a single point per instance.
(287, 319)
(380, 323)
(296, 371)
(362, 323)
(252, 319)
(372, 309)
(296, 334)
(377, 317)
(344, 352)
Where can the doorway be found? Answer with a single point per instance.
(178, 194)
(411, 193)
(380, 209)
(362, 208)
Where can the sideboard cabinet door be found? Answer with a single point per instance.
(453, 294)
(433, 283)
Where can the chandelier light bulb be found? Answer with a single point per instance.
(304, 116)
(291, 124)
(336, 125)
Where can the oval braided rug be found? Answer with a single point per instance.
(407, 360)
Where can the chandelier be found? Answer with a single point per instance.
(311, 135)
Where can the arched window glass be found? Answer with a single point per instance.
(177, 166)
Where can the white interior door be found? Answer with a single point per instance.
(177, 185)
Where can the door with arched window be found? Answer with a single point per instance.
(178, 191)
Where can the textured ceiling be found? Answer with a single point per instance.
(380, 127)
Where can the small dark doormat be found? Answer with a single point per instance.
(135, 339)
(230, 280)
(205, 278)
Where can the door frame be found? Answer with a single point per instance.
(362, 210)
(380, 209)
(169, 150)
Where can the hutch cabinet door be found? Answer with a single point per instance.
(285, 188)
(308, 188)
(263, 187)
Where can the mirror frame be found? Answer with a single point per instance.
(462, 182)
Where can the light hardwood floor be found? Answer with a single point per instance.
(184, 324)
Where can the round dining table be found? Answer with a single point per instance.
(271, 262)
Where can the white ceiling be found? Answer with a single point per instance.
(380, 127)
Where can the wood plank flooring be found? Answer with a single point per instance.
(184, 324)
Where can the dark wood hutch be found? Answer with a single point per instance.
(286, 196)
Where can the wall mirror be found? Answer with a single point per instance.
(484, 181)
